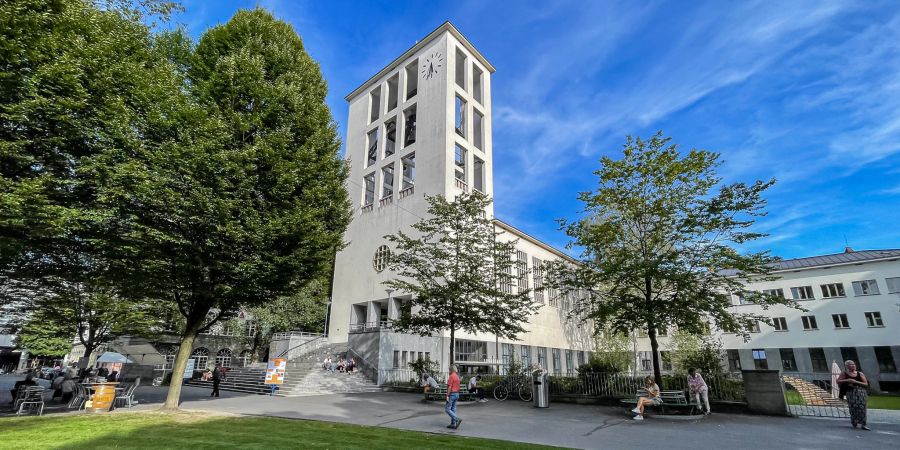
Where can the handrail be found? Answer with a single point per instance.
(289, 334)
(319, 340)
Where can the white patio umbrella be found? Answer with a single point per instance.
(113, 357)
(835, 373)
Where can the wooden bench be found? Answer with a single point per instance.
(441, 394)
(671, 401)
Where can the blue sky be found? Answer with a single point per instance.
(806, 92)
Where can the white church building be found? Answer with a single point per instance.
(422, 126)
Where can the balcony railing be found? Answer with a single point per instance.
(386, 200)
(407, 192)
(367, 208)
(462, 185)
(371, 326)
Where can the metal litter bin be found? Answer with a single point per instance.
(541, 388)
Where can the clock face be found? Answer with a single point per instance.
(432, 65)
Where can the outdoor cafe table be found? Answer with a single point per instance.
(104, 394)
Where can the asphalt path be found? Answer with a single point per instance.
(565, 425)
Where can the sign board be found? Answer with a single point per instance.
(189, 368)
(275, 371)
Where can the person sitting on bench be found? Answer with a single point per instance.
(430, 383)
(652, 398)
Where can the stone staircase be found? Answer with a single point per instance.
(812, 394)
(304, 376)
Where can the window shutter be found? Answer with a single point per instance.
(857, 288)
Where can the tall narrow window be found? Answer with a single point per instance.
(570, 364)
(538, 276)
(522, 270)
(409, 171)
(460, 116)
(409, 132)
(369, 196)
(526, 355)
(885, 360)
(478, 169)
(817, 358)
(393, 85)
(557, 365)
(477, 89)
(376, 104)
(460, 163)
(759, 359)
(849, 354)
(412, 79)
(390, 137)
(788, 362)
(734, 360)
(387, 181)
(477, 129)
(372, 154)
(460, 69)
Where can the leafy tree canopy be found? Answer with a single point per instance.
(459, 271)
(660, 237)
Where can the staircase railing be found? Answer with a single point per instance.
(367, 368)
(304, 348)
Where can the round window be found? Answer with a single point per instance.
(380, 261)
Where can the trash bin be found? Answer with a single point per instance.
(541, 388)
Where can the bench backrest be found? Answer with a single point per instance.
(676, 397)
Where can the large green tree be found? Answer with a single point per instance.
(303, 310)
(243, 201)
(460, 273)
(659, 238)
(76, 81)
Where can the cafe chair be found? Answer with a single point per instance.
(33, 399)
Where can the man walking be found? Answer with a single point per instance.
(217, 377)
(452, 398)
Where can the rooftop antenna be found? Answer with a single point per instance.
(847, 248)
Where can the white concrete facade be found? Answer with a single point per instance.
(447, 71)
(863, 293)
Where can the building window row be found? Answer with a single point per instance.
(377, 108)
(402, 358)
(388, 182)
(873, 320)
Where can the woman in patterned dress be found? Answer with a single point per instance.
(854, 385)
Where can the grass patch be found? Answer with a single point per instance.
(884, 402)
(794, 398)
(200, 431)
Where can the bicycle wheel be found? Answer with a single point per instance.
(501, 392)
(525, 392)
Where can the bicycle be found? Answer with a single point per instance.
(518, 384)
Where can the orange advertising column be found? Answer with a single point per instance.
(104, 395)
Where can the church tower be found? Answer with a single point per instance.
(420, 126)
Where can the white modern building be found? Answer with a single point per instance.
(422, 126)
(850, 310)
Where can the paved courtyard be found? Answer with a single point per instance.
(579, 426)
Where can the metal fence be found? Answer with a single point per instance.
(728, 387)
(598, 385)
(813, 394)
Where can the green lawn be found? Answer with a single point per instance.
(884, 402)
(199, 431)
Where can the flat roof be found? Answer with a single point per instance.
(444, 27)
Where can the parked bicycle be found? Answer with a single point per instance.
(520, 385)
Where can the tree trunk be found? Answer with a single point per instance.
(173, 397)
(452, 345)
(88, 351)
(654, 349)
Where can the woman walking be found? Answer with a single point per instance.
(854, 385)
